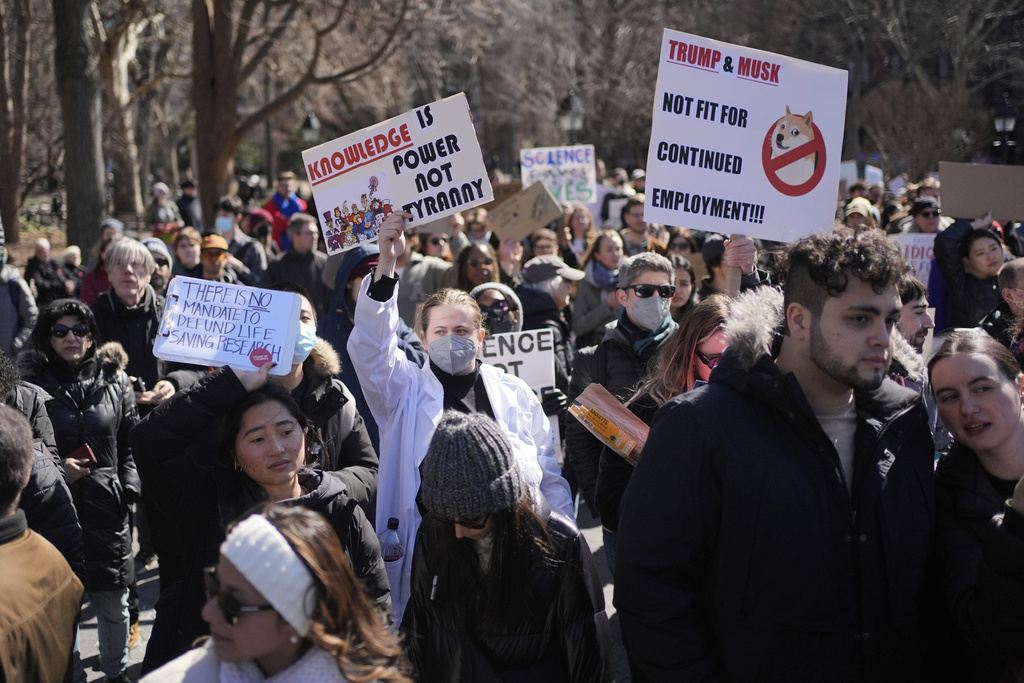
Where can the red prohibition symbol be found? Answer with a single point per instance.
(773, 166)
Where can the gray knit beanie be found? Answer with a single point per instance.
(469, 468)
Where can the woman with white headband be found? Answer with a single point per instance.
(284, 605)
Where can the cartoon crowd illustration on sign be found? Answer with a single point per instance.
(358, 221)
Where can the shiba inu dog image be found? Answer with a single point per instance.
(790, 132)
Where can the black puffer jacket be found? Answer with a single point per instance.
(979, 562)
(50, 509)
(30, 401)
(192, 484)
(565, 638)
(743, 557)
(347, 452)
(970, 298)
(94, 404)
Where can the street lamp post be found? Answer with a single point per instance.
(1004, 121)
(571, 114)
(310, 130)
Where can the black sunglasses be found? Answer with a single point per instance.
(438, 241)
(80, 330)
(710, 362)
(647, 291)
(476, 262)
(161, 263)
(498, 308)
(476, 523)
(229, 606)
(929, 214)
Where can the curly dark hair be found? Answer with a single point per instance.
(820, 266)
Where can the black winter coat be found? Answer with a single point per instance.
(743, 557)
(30, 401)
(970, 298)
(979, 562)
(50, 510)
(616, 366)
(347, 452)
(192, 484)
(94, 404)
(565, 638)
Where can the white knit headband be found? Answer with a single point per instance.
(266, 559)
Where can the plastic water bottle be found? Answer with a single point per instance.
(391, 548)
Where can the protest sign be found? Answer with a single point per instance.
(569, 172)
(972, 190)
(528, 355)
(531, 209)
(743, 141)
(214, 323)
(426, 161)
(918, 250)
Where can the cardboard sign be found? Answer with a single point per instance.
(530, 210)
(918, 250)
(213, 323)
(972, 190)
(569, 172)
(426, 161)
(743, 141)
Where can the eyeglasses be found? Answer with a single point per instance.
(682, 245)
(475, 523)
(80, 330)
(647, 291)
(929, 214)
(229, 607)
(161, 263)
(477, 262)
(438, 241)
(710, 362)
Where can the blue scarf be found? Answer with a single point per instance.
(644, 342)
(606, 279)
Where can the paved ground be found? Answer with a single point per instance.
(148, 591)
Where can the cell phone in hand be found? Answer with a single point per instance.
(83, 452)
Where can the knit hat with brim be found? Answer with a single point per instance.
(469, 468)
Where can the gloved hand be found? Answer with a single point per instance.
(554, 401)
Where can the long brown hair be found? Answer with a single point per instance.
(671, 373)
(344, 623)
(595, 245)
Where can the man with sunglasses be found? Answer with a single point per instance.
(777, 526)
(620, 359)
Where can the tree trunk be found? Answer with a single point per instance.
(78, 84)
(214, 97)
(119, 122)
(15, 44)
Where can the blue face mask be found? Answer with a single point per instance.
(224, 224)
(304, 343)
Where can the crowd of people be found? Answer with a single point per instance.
(821, 496)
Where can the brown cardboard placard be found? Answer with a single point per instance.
(971, 190)
(530, 210)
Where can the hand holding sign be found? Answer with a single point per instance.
(254, 379)
(741, 253)
(391, 240)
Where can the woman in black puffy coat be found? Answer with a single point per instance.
(92, 409)
(209, 454)
(502, 589)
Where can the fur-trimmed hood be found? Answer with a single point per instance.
(323, 359)
(110, 358)
(755, 326)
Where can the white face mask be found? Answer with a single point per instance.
(650, 312)
(304, 343)
(454, 354)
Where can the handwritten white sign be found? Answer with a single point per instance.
(214, 323)
(569, 172)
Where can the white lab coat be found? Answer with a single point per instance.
(407, 401)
